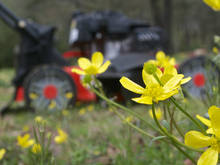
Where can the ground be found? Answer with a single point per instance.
(96, 136)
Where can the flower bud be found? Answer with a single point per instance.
(150, 68)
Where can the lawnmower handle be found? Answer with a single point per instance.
(16, 23)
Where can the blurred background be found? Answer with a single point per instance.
(190, 24)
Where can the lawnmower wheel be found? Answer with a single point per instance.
(49, 88)
(205, 76)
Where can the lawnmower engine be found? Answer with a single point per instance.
(127, 42)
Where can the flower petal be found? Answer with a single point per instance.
(214, 4)
(131, 86)
(210, 131)
(160, 55)
(2, 153)
(171, 70)
(84, 63)
(209, 157)
(147, 78)
(196, 139)
(185, 80)
(143, 100)
(173, 83)
(204, 120)
(167, 95)
(104, 67)
(214, 114)
(78, 71)
(97, 59)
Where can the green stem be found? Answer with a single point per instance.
(175, 124)
(123, 108)
(184, 153)
(133, 126)
(161, 130)
(164, 132)
(188, 115)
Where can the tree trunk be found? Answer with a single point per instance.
(168, 20)
(156, 12)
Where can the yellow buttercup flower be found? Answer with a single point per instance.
(52, 104)
(128, 119)
(215, 50)
(36, 148)
(197, 140)
(154, 91)
(170, 72)
(2, 153)
(163, 61)
(26, 128)
(33, 96)
(82, 111)
(65, 112)
(69, 95)
(214, 4)
(38, 119)
(62, 137)
(25, 141)
(90, 108)
(93, 67)
(158, 112)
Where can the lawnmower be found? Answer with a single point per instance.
(43, 76)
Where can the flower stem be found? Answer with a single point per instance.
(123, 108)
(175, 124)
(188, 115)
(164, 132)
(184, 153)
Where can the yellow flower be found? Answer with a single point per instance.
(163, 61)
(52, 104)
(93, 67)
(215, 50)
(170, 72)
(25, 141)
(153, 91)
(158, 112)
(33, 96)
(40, 120)
(214, 4)
(197, 140)
(26, 128)
(36, 148)
(82, 111)
(90, 108)
(2, 153)
(65, 112)
(69, 95)
(62, 137)
(128, 119)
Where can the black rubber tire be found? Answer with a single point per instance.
(208, 68)
(49, 74)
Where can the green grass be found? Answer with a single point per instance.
(98, 137)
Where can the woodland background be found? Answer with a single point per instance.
(190, 24)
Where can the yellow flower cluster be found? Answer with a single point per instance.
(198, 140)
(93, 67)
(158, 85)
